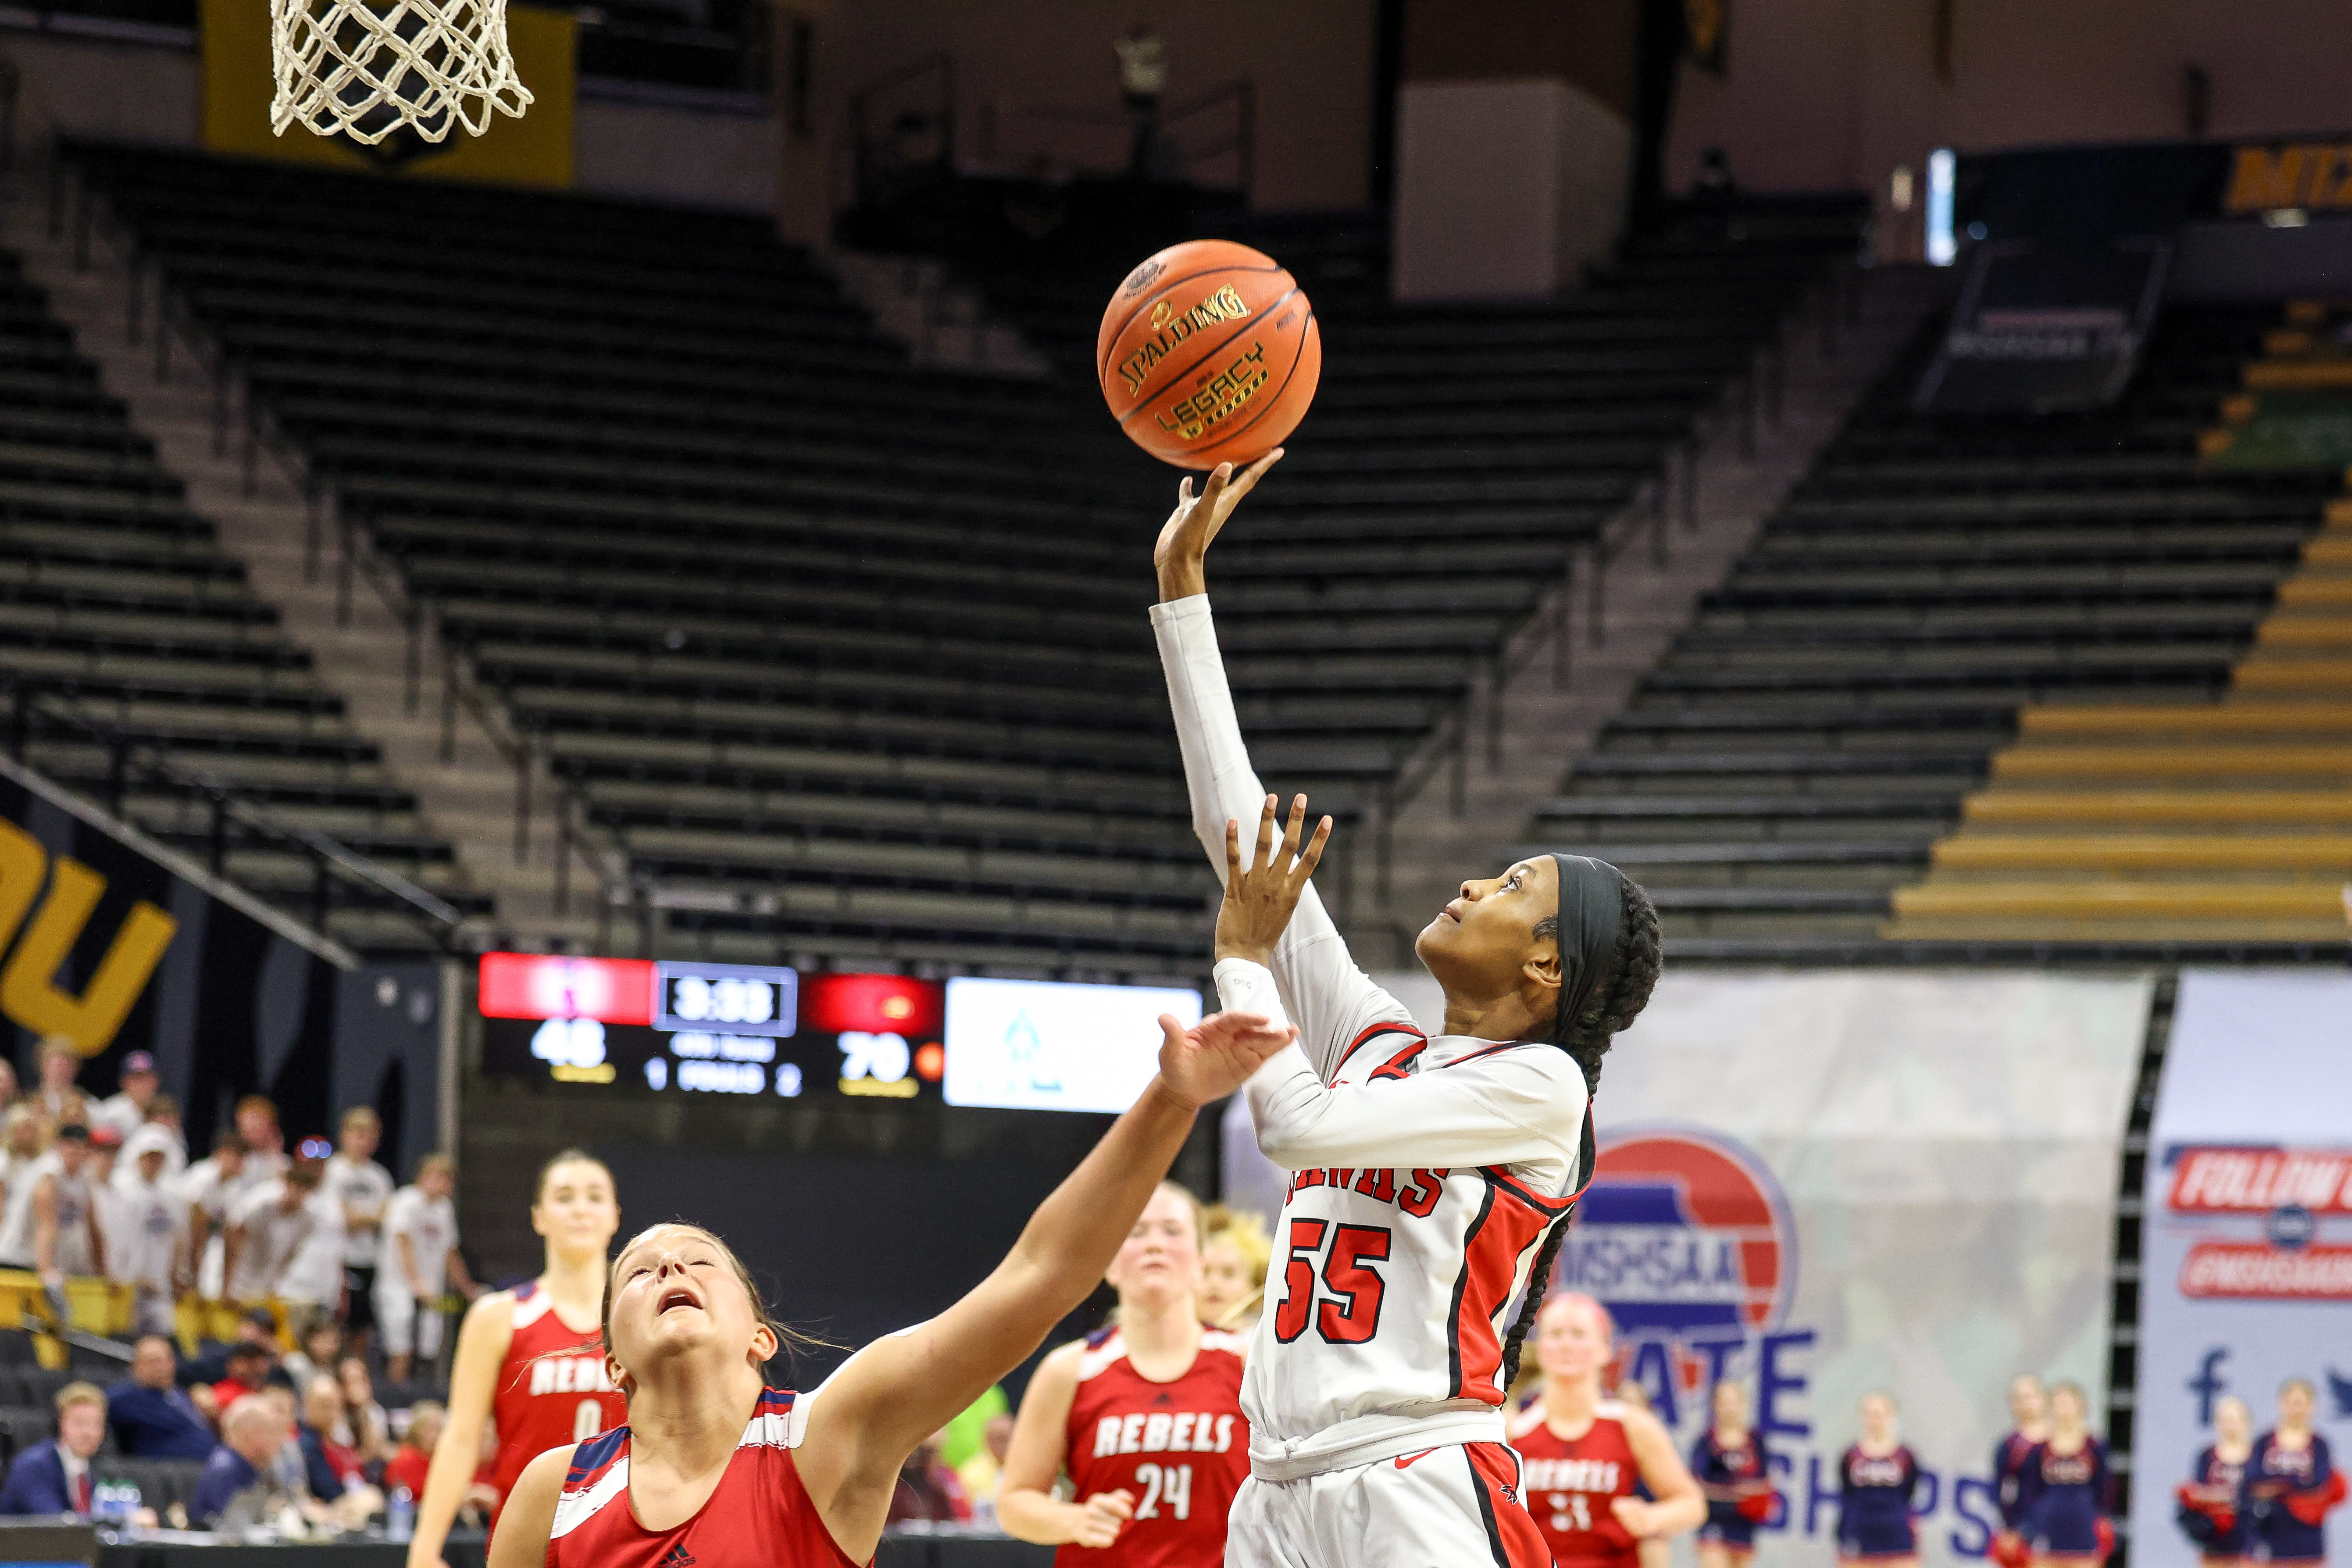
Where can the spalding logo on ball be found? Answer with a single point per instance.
(1208, 353)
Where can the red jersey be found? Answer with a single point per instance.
(1179, 1449)
(759, 1517)
(551, 1388)
(1569, 1484)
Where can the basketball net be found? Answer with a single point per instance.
(364, 69)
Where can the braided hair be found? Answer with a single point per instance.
(1619, 993)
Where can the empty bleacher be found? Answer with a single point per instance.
(125, 626)
(851, 659)
(1831, 714)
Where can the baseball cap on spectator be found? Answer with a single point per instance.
(74, 1131)
(103, 1136)
(138, 1061)
(147, 1139)
(261, 1318)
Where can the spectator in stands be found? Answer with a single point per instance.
(1234, 1262)
(208, 1188)
(371, 1428)
(364, 1189)
(312, 1284)
(405, 1471)
(927, 1489)
(265, 1142)
(126, 1108)
(22, 1135)
(267, 1229)
(331, 1468)
(321, 1348)
(420, 1230)
(164, 1111)
(982, 1473)
(151, 1418)
(60, 1064)
(54, 1477)
(7, 1086)
(56, 1232)
(105, 1206)
(150, 1232)
(250, 1364)
(239, 1487)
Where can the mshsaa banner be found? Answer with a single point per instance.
(2247, 1249)
(1820, 1183)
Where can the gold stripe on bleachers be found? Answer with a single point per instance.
(2227, 820)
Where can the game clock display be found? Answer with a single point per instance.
(708, 1028)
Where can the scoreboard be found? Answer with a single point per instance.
(677, 1027)
(709, 1028)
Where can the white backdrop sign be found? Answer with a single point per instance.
(2247, 1256)
(1824, 1182)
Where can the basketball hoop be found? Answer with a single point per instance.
(364, 69)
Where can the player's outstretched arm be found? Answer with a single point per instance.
(1516, 1103)
(1330, 999)
(869, 1416)
(1678, 1505)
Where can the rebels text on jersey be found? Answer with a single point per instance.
(551, 1388)
(1569, 1484)
(1179, 1449)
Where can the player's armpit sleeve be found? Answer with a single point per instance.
(1521, 1103)
(1322, 990)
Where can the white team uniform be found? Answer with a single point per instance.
(143, 1248)
(1426, 1172)
(431, 1227)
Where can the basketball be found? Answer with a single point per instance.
(1208, 353)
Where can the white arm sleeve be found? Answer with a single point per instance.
(1321, 989)
(1521, 1103)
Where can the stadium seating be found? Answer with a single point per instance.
(851, 658)
(118, 607)
(1803, 746)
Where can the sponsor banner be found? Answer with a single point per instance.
(2041, 329)
(1821, 1182)
(2246, 1258)
(119, 944)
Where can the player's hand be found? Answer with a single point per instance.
(1639, 1517)
(1101, 1515)
(1260, 895)
(1184, 538)
(1217, 1055)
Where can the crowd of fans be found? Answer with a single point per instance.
(321, 1262)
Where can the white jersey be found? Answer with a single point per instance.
(283, 1248)
(1426, 1171)
(431, 1227)
(76, 1212)
(151, 1229)
(362, 1187)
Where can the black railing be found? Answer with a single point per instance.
(38, 711)
(154, 307)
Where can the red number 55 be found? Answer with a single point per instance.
(1350, 1312)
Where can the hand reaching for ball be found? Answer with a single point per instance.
(1181, 555)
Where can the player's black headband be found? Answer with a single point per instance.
(1592, 909)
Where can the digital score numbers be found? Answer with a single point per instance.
(708, 1028)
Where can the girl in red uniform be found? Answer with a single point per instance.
(717, 1470)
(1581, 1456)
(529, 1357)
(1146, 1416)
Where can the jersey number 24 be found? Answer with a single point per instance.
(1348, 1311)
